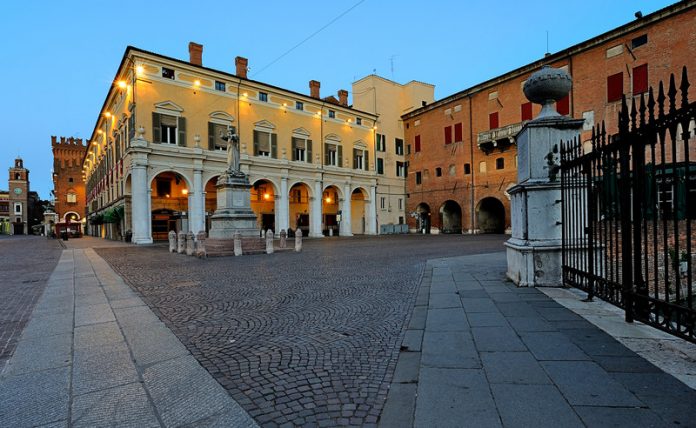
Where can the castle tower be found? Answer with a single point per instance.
(19, 198)
(68, 184)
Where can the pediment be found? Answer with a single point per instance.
(360, 143)
(301, 131)
(264, 124)
(169, 105)
(333, 137)
(221, 115)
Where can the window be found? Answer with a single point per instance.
(399, 146)
(438, 172)
(72, 198)
(215, 133)
(493, 120)
(640, 79)
(265, 143)
(400, 169)
(500, 163)
(168, 129)
(332, 114)
(383, 202)
(448, 135)
(467, 169)
(419, 177)
(380, 166)
(301, 149)
(263, 97)
(482, 166)
(333, 154)
(360, 159)
(358, 120)
(381, 142)
(167, 73)
(401, 204)
(417, 147)
(70, 180)
(614, 87)
(563, 105)
(299, 105)
(639, 41)
(219, 86)
(408, 149)
(526, 111)
(18, 208)
(458, 134)
(452, 170)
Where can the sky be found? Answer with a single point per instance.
(58, 57)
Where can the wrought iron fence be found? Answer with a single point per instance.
(629, 203)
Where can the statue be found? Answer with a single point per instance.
(232, 150)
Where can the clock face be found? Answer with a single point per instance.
(18, 191)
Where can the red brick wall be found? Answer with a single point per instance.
(671, 45)
(67, 163)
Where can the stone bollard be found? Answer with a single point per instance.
(172, 241)
(181, 242)
(283, 239)
(200, 245)
(298, 240)
(237, 243)
(269, 241)
(190, 244)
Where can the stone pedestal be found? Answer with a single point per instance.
(534, 250)
(233, 211)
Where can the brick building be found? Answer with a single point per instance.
(19, 198)
(4, 212)
(461, 149)
(68, 185)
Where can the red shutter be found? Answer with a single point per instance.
(614, 87)
(526, 110)
(640, 79)
(418, 147)
(563, 105)
(458, 135)
(493, 120)
(448, 135)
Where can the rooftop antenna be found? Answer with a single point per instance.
(547, 44)
(391, 63)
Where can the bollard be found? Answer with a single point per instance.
(190, 244)
(283, 239)
(298, 240)
(269, 241)
(172, 241)
(200, 245)
(181, 242)
(237, 243)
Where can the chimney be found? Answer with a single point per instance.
(241, 64)
(343, 97)
(195, 53)
(314, 88)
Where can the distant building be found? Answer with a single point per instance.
(4, 212)
(461, 149)
(68, 182)
(18, 199)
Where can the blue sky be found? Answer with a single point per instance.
(58, 57)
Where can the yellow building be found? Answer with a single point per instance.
(389, 100)
(157, 149)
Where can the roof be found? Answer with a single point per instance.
(664, 13)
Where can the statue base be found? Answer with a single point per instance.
(233, 211)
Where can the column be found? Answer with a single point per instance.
(346, 212)
(140, 203)
(315, 221)
(197, 204)
(283, 206)
(372, 212)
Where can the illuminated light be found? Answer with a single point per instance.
(197, 83)
(266, 196)
(245, 95)
(122, 84)
(374, 127)
(107, 114)
(99, 131)
(348, 120)
(285, 104)
(184, 191)
(139, 69)
(167, 195)
(328, 199)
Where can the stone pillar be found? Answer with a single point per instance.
(283, 206)
(190, 244)
(237, 237)
(316, 210)
(346, 212)
(534, 250)
(200, 245)
(269, 241)
(172, 241)
(283, 239)
(181, 242)
(298, 240)
(197, 203)
(371, 228)
(140, 202)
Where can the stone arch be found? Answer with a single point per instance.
(157, 172)
(263, 198)
(299, 207)
(330, 206)
(359, 203)
(310, 188)
(169, 203)
(490, 215)
(76, 214)
(423, 219)
(450, 217)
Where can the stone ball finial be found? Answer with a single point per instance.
(545, 87)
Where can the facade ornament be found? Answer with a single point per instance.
(546, 87)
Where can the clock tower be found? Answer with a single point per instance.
(19, 198)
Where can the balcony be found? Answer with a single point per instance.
(498, 138)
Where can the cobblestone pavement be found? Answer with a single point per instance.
(305, 338)
(27, 262)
